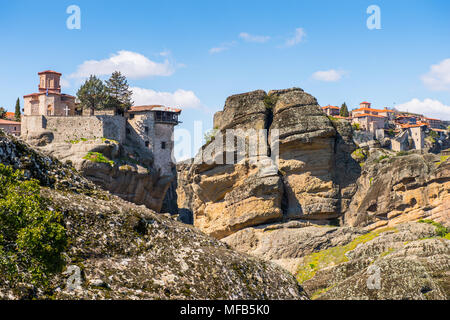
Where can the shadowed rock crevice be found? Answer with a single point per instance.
(304, 186)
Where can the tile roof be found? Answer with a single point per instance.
(49, 71)
(367, 115)
(3, 121)
(330, 107)
(153, 108)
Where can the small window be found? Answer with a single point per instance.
(146, 129)
(147, 143)
(163, 145)
(131, 116)
(128, 131)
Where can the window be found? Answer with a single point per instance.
(146, 129)
(147, 143)
(128, 131)
(131, 116)
(163, 145)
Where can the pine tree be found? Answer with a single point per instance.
(344, 110)
(119, 94)
(92, 94)
(17, 113)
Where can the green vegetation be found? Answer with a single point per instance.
(92, 94)
(433, 136)
(356, 126)
(98, 157)
(209, 135)
(270, 101)
(359, 155)
(402, 153)
(380, 158)
(119, 93)
(32, 237)
(332, 256)
(443, 159)
(17, 110)
(333, 118)
(2, 113)
(441, 231)
(344, 110)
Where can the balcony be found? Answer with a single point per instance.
(166, 117)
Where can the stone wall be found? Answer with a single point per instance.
(76, 127)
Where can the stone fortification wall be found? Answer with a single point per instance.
(76, 127)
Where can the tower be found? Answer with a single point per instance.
(49, 80)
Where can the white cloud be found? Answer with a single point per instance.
(185, 99)
(253, 38)
(131, 64)
(222, 47)
(428, 107)
(65, 83)
(438, 78)
(298, 37)
(331, 75)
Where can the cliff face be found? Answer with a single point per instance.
(401, 188)
(408, 261)
(225, 198)
(126, 170)
(118, 250)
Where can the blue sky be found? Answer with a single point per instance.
(196, 53)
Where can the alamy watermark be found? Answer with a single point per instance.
(374, 20)
(230, 146)
(73, 22)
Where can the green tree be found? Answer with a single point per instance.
(32, 237)
(2, 113)
(17, 113)
(119, 93)
(344, 110)
(92, 94)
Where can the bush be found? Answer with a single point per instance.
(441, 231)
(98, 157)
(210, 135)
(32, 238)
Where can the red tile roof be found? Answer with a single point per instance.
(49, 71)
(153, 108)
(10, 115)
(330, 107)
(2, 121)
(365, 102)
(432, 119)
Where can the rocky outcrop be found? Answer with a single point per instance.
(409, 261)
(127, 170)
(306, 184)
(118, 250)
(396, 188)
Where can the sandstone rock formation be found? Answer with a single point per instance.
(129, 174)
(315, 178)
(401, 188)
(409, 261)
(125, 251)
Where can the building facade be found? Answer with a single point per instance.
(49, 100)
(58, 116)
(11, 127)
(331, 110)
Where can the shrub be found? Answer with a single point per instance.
(32, 238)
(270, 101)
(356, 126)
(210, 135)
(441, 231)
(98, 157)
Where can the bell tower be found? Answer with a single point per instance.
(49, 80)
